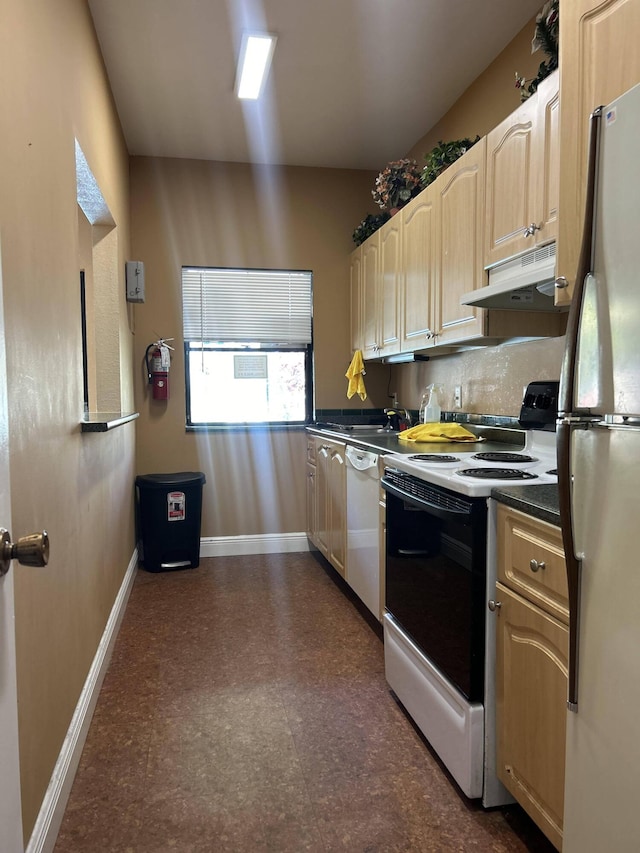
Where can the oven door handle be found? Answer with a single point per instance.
(460, 514)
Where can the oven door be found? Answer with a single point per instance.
(436, 574)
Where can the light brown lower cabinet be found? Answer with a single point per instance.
(326, 501)
(532, 644)
(531, 709)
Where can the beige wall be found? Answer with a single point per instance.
(213, 214)
(79, 487)
(489, 99)
(492, 378)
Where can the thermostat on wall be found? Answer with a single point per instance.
(135, 281)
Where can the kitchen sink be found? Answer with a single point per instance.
(368, 428)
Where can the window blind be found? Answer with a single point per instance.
(246, 306)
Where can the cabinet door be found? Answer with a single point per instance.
(322, 499)
(311, 503)
(337, 510)
(370, 297)
(420, 270)
(355, 275)
(460, 226)
(531, 693)
(548, 159)
(600, 61)
(511, 174)
(389, 286)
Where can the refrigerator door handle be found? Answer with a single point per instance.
(573, 564)
(568, 418)
(566, 396)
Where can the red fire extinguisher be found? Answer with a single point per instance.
(158, 360)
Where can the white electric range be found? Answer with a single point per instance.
(440, 574)
(469, 470)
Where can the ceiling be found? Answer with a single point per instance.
(353, 84)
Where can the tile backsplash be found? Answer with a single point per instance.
(492, 379)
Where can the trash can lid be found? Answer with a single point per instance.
(161, 481)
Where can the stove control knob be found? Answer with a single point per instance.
(494, 605)
(535, 566)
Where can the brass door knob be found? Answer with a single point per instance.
(31, 550)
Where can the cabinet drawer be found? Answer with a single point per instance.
(531, 561)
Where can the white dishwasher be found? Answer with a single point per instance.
(363, 553)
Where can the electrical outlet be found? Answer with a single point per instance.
(457, 396)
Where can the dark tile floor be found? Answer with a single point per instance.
(245, 709)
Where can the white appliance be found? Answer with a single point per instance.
(599, 467)
(525, 282)
(363, 511)
(475, 472)
(440, 574)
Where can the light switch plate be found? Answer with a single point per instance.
(457, 396)
(135, 281)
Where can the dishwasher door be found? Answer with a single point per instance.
(363, 552)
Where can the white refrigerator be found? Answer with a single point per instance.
(599, 483)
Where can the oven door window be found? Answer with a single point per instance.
(435, 586)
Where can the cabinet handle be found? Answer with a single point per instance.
(561, 282)
(535, 566)
(494, 605)
(530, 230)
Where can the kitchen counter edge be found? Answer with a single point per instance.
(541, 502)
(384, 441)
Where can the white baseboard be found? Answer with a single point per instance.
(45, 831)
(268, 543)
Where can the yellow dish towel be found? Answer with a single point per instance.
(437, 432)
(354, 374)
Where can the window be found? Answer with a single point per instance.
(247, 346)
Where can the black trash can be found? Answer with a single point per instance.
(169, 514)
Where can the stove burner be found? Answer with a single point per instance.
(496, 474)
(500, 456)
(433, 457)
(553, 472)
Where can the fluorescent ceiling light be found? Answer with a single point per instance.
(255, 58)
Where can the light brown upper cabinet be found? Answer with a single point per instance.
(522, 177)
(370, 296)
(389, 281)
(459, 224)
(600, 61)
(419, 271)
(356, 314)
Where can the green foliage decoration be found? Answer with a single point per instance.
(442, 156)
(369, 226)
(546, 39)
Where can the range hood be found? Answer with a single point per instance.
(525, 283)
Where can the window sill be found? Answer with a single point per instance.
(103, 421)
(244, 427)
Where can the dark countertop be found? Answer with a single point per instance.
(385, 441)
(538, 501)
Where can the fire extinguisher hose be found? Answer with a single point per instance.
(146, 361)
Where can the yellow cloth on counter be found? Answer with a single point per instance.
(437, 432)
(355, 375)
